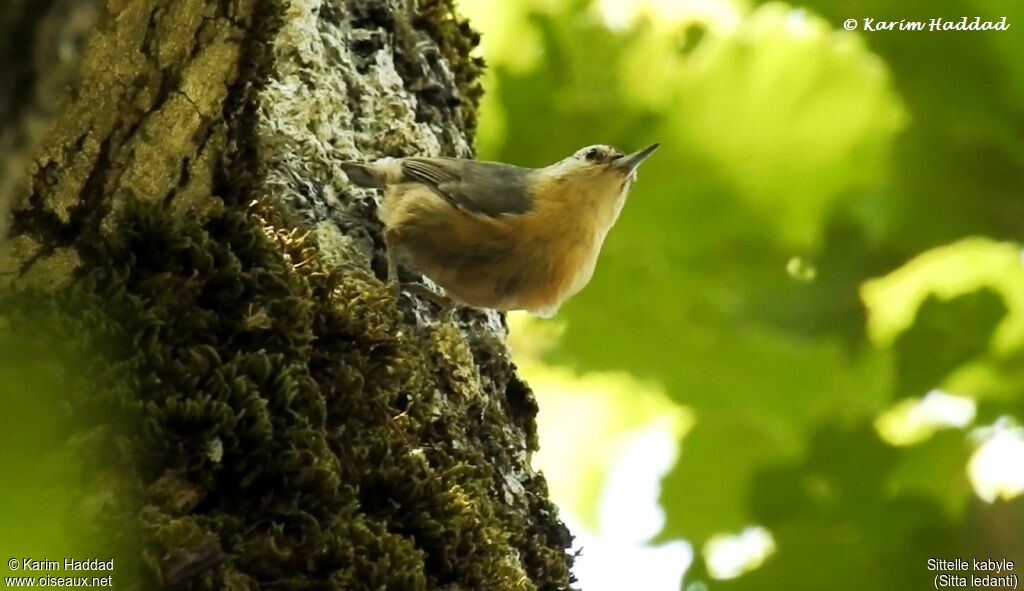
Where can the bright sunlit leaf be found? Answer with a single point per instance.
(720, 15)
(996, 469)
(915, 419)
(730, 555)
(949, 271)
(758, 103)
(801, 269)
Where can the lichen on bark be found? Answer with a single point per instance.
(285, 422)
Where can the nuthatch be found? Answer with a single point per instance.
(499, 236)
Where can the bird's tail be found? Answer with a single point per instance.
(363, 175)
(376, 175)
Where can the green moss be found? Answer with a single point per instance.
(258, 418)
(289, 427)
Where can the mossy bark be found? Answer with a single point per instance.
(269, 415)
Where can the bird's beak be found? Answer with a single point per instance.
(630, 162)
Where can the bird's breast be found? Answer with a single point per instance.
(569, 238)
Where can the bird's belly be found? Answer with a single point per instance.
(487, 262)
(536, 278)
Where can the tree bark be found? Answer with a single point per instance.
(266, 413)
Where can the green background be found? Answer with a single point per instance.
(830, 229)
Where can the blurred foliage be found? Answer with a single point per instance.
(831, 228)
(53, 488)
(609, 409)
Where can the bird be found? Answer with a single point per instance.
(494, 235)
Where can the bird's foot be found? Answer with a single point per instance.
(446, 305)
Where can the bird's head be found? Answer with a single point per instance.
(603, 166)
(600, 172)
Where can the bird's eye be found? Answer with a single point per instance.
(593, 154)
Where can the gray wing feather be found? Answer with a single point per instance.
(489, 188)
(430, 172)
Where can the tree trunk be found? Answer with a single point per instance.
(266, 413)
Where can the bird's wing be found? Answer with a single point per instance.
(490, 188)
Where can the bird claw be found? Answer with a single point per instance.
(447, 306)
